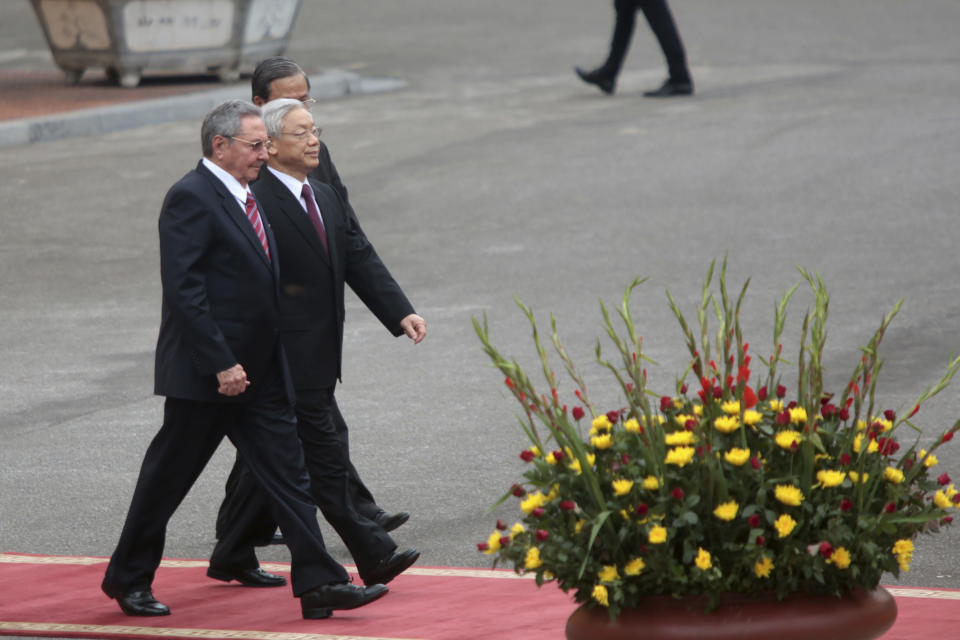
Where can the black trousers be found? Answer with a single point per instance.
(245, 518)
(664, 28)
(263, 429)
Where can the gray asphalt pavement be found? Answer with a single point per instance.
(823, 134)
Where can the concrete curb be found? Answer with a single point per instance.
(99, 120)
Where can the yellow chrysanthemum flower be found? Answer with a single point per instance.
(737, 457)
(776, 405)
(887, 424)
(535, 450)
(632, 426)
(532, 559)
(554, 493)
(634, 567)
(531, 502)
(787, 438)
(731, 407)
(763, 567)
(893, 474)
(784, 525)
(677, 403)
(828, 478)
(604, 441)
(942, 498)
(840, 558)
(698, 410)
(861, 425)
(788, 495)
(650, 483)
(600, 595)
(622, 486)
(517, 529)
(873, 447)
(679, 438)
(681, 419)
(726, 424)
(575, 465)
(703, 559)
(551, 459)
(493, 543)
(600, 424)
(798, 415)
(856, 477)
(928, 461)
(578, 526)
(680, 456)
(608, 573)
(904, 552)
(658, 535)
(752, 418)
(727, 511)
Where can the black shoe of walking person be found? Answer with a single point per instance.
(320, 602)
(671, 88)
(606, 83)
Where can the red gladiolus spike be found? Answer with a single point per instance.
(504, 541)
(533, 407)
(523, 397)
(703, 396)
(683, 389)
(706, 383)
(730, 360)
(746, 347)
(914, 412)
(500, 525)
(713, 365)
(947, 437)
(508, 382)
(749, 398)
(730, 384)
(743, 373)
(629, 387)
(576, 392)
(556, 396)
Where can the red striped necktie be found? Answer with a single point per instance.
(253, 214)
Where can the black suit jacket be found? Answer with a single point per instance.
(220, 302)
(312, 280)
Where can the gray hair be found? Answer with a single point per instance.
(275, 111)
(225, 119)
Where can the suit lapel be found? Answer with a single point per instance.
(239, 217)
(289, 206)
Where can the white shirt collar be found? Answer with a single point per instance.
(232, 184)
(295, 186)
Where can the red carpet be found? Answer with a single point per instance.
(423, 604)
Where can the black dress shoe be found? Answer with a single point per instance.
(320, 602)
(606, 83)
(247, 577)
(390, 521)
(390, 567)
(142, 603)
(671, 88)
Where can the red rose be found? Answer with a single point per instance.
(890, 507)
(666, 403)
(690, 425)
(826, 549)
(482, 546)
(568, 505)
(500, 525)
(577, 413)
(956, 498)
(754, 521)
(536, 513)
(783, 418)
(526, 455)
(888, 446)
(518, 491)
(678, 494)
(755, 462)
(504, 541)
(943, 480)
(781, 391)
(890, 415)
(613, 416)
(845, 459)
(642, 509)
(762, 393)
(946, 520)
(558, 455)
(828, 410)
(542, 535)
(717, 393)
(846, 505)
(625, 458)
(844, 414)
(643, 549)
(761, 541)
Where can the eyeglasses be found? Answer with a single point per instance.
(255, 145)
(309, 102)
(302, 135)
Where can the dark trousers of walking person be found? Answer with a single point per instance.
(664, 28)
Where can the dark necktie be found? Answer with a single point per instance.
(253, 214)
(314, 212)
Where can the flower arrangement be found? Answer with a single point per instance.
(732, 483)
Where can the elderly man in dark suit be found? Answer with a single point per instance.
(660, 19)
(221, 366)
(322, 248)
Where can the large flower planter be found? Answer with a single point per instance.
(860, 615)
